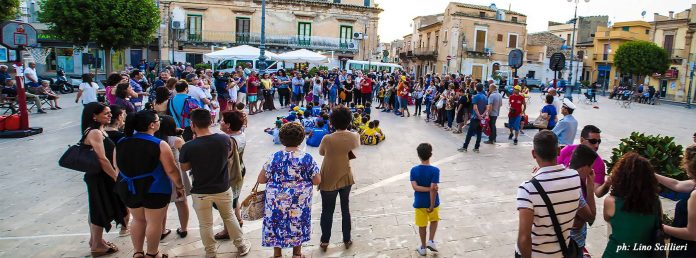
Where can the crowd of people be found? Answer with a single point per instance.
(156, 146)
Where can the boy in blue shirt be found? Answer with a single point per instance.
(424, 180)
(317, 134)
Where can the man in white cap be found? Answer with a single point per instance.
(567, 127)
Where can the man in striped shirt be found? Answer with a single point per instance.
(536, 236)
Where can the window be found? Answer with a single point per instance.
(194, 27)
(512, 40)
(437, 39)
(513, 19)
(568, 39)
(482, 14)
(605, 52)
(500, 37)
(668, 44)
(243, 27)
(346, 36)
(625, 28)
(427, 43)
(337, 1)
(304, 33)
(647, 32)
(367, 3)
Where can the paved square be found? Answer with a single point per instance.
(45, 206)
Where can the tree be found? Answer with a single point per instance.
(9, 10)
(111, 24)
(641, 58)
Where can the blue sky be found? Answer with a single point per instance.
(396, 19)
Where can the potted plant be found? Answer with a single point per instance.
(664, 154)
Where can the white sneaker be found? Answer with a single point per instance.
(244, 249)
(422, 251)
(124, 232)
(432, 246)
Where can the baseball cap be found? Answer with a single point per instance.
(518, 87)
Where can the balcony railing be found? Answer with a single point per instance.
(295, 41)
(609, 58)
(426, 52)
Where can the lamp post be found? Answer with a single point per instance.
(572, 50)
(262, 45)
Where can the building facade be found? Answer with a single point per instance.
(675, 33)
(600, 54)
(540, 47)
(342, 29)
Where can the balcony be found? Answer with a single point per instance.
(293, 41)
(479, 52)
(606, 58)
(426, 53)
(619, 34)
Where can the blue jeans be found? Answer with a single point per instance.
(428, 103)
(450, 117)
(474, 128)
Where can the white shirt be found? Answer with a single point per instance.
(198, 93)
(557, 103)
(30, 74)
(562, 185)
(241, 141)
(89, 92)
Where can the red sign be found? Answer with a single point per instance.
(449, 58)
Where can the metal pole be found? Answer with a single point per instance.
(691, 78)
(572, 54)
(262, 46)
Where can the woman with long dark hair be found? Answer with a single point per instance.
(88, 90)
(167, 132)
(104, 204)
(146, 172)
(122, 97)
(161, 101)
(682, 234)
(632, 208)
(110, 87)
(283, 88)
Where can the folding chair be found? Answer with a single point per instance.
(9, 104)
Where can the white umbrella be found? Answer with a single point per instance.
(238, 52)
(303, 55)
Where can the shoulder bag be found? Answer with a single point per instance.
(81, 157)
(234, 168)
(541, 122)
(568, 251)
(252, 208)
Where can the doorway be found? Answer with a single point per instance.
(135, 56)
(477, 72)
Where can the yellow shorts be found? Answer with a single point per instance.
(423, 217)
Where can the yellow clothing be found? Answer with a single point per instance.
(266, 83)
(381, 134)
(370, 136)
(423, 217)
(362, 127)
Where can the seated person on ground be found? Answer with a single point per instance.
(275, 132)
(317, 134)
(379, 130)
(370, 136)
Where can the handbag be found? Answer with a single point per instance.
(440, 103)
(252, 207)
(541, 122)
(234, 169)
(81, 157)
(570, 250)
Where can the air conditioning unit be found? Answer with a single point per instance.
(358, 35)
(351, 45)
(178, 25)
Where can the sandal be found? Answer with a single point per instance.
(221, 236)
(181, 233)
(165, 234)
(324, 246)
(112, 249)
(139, 253)
(155, 255)
(348, 244)
(241, 223)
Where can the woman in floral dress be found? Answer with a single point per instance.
(289, 175)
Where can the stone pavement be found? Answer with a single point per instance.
(45, 210)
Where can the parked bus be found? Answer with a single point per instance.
(375, 66)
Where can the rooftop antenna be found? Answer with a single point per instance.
(643, 14)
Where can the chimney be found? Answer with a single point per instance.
(671, 14)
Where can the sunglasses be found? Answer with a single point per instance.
(594, 141)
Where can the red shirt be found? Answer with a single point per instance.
(252, 87)
(516, 102)
(366, 85)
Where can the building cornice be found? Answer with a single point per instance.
(460, 14)
(326, 3)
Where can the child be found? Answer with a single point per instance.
(275, 132)
(387, 97)
(214, 106)
(309, 123)
(363, 124)
(379, 130)
(240, 106)
(367, 108)
(317, 134)
(333, 94)
(370, 136)
(233, 89)
(424, 180)
(380, 97)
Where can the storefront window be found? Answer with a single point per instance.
(64, 60)
(118, 61)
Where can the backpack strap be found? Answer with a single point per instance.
(176, 117)
(552, 215)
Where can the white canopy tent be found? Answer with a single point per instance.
(303, 56)
(238, 52)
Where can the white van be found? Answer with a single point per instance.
(376, 66)
(229, 65)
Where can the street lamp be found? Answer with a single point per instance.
(262, 45)
(572, 49)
